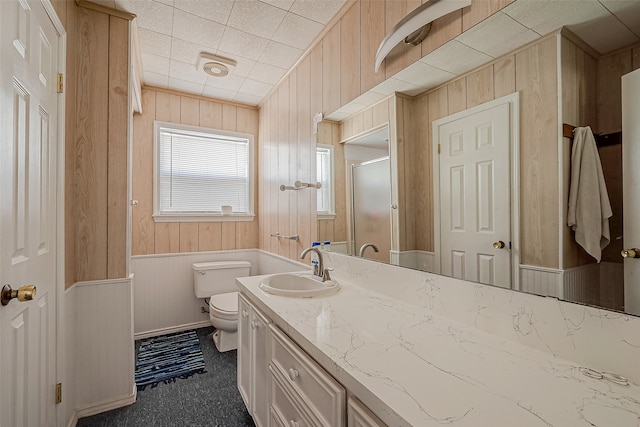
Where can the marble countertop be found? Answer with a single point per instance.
(415, 368)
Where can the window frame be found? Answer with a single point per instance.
(325, 215)
(159, 216)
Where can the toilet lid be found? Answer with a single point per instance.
(225, 302)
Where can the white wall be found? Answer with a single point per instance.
(164, 298)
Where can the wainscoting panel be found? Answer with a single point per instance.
(541, 281)
(164, 298)
(612, 285)
(417, 260)
(104, 354)
(582, 284)
(69, 355)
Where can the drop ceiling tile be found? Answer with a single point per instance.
(281, 4)
(456, 58)
(545, 16)
(255, 88)
(423, 75)
(228, 82)
(187, 72)
(627, 11)
(156, 64)
(605, 34)
(497, 35)
(218, 93)
(280, 55)
(319, 11)
(108, 3)
(185, 86)
(188, 52)
(196, 30)
(154, 43)
(213, 10)
(151, 15)
(242, 44)
(254, 17)
(297, 31)
(243, 65)
(155, 79)
(266, 73)
(167, 2)
(244, 98)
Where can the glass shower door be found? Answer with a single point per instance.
(371, 208)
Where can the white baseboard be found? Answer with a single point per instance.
(171, 330)
(108, 405)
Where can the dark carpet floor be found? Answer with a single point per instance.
(211, 399)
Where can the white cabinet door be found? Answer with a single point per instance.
(259, 368)
(253, 364)
(244, 350)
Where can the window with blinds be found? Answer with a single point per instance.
(324, 170)
(199, 170)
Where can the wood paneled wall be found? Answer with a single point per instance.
(149, 237)
(97, 85)
(337, 70)
(102, 114)
(533, 73)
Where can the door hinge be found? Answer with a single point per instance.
(438, 148)
(60, 84)
(58, 393)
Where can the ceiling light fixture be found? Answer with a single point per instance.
(214, 65)
(414, 27)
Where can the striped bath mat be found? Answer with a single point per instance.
(168, 357)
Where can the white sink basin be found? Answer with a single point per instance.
(300, 285)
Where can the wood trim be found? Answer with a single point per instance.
(104, 9)
(200, 97)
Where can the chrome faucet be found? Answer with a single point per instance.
(365, 246)
(318, 270)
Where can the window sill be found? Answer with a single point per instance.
(203, 218)
(325, 216)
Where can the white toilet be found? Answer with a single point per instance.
(217, 281)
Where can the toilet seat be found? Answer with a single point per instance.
(224, 306)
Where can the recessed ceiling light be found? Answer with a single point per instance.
(214, 65)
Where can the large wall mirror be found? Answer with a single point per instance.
(407, 199)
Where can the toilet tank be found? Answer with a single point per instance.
(218, 277)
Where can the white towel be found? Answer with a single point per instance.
(589, 207)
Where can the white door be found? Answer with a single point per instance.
(474, 197)
(631, 195)
(28, 170)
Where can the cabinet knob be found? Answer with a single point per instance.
(245, 313)
(293, 374)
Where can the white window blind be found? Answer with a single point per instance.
(324, 172)
(198, 172)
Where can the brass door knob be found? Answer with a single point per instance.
(630, 253)
(23, 293)
(499, 244)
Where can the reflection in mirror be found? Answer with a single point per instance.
(545, 258)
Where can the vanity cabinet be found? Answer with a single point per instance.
(359, 415)
(253, 362)
(282, 386)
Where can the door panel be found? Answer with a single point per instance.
(28, 186)
(475, 196)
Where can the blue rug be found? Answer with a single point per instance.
(167, 358)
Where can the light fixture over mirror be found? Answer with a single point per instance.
(413, 27)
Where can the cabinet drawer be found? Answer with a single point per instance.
(286, 411)
(317, 389)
